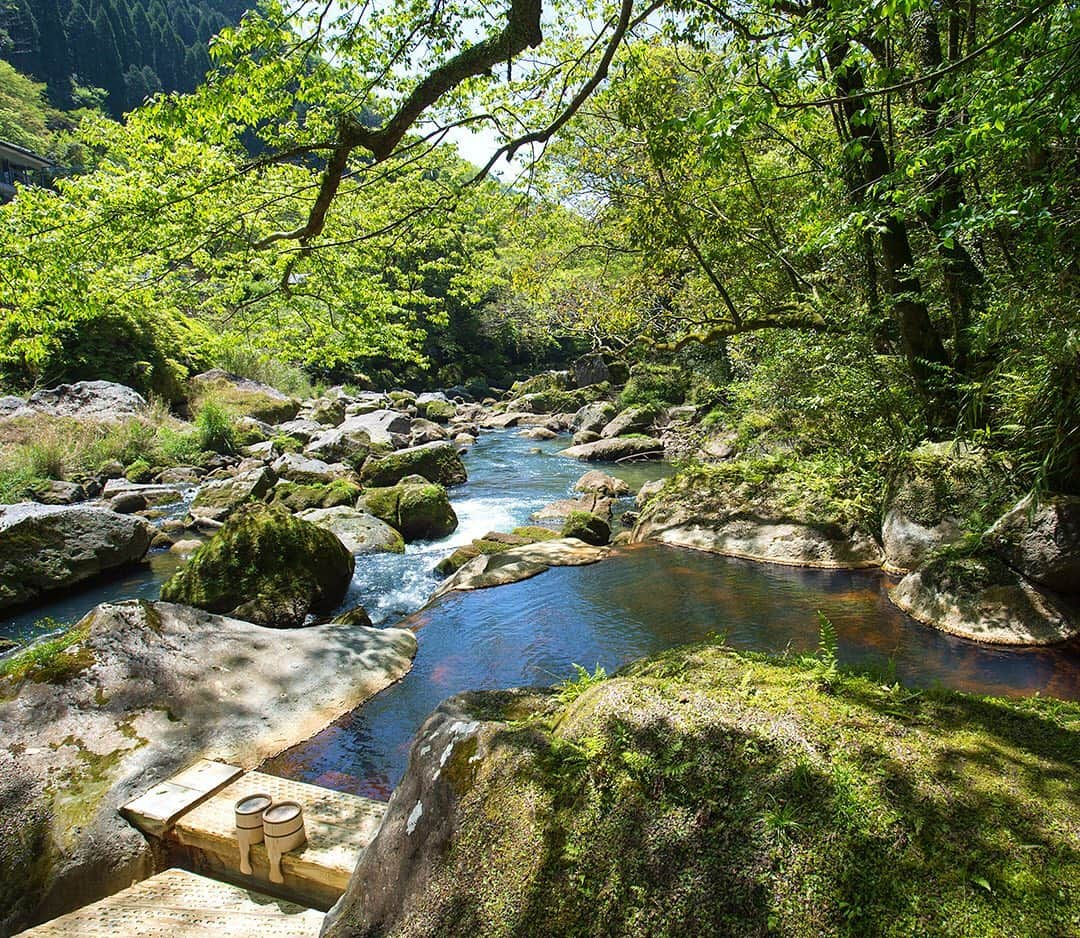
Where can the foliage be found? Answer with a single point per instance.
(214, 428)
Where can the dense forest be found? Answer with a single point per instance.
(130, 49)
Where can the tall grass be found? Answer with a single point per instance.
(264, 368)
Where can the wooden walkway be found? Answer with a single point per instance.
(179, 904)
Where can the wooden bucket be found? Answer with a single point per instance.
(283, 830)
(249, 825)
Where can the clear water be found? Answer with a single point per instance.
(645, 599)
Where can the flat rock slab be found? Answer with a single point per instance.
(521, 563)
(179, 903)
(156, 810)
(338, 825)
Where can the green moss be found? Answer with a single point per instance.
(297, 496)
(562, 402)
(437, 462)
(587, 527)
(140, 471)
(440, 411)
(706, 793)
(533, 533)
(54, 660)
(658, 386)
(242, 402)
(264, 565)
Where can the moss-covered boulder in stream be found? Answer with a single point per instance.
(588, 527)
(494, 542)
(420, 510)
(266, 566)
(436, 462)
(243, 397)
(298, 496)
(706, 793)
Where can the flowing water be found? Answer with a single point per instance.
(644, 599)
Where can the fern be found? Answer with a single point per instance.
(828, 645)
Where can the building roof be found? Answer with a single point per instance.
(20, 156)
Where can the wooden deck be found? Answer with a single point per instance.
(179, 904)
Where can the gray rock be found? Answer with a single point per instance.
(562, 509)
(647, 491)
(217, 500)
(436, 462)
(538, 433)
(503, 421)
(128, 503)
(1042, 542)
(180, 475)
(590, 369)
(358, 434)
(148, 690)
(301, 429)
(60, 493)
(297, 468)
(51, 547)
(153, 493)
(521, 563)
(89, 400)
(328, 412)
(585, 436)
(982, 599)
(359, 531)
(426, 431)
(907, 543)
(631, 420)
(617, 448)
(593, 417)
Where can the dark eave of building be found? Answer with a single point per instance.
(20, 156)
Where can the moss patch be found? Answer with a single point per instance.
(297, 496)
(54, 660)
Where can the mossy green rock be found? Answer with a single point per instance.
(587, 527)
(419, 511)
(494, 542)
(296, 496)
(706, 793)
(439, 410)
(266, 566)
(436, 462)
(243, 397)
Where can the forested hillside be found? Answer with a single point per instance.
(128, 48)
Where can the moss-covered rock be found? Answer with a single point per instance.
(655, 386)
(587, 527)
(218, 499)
(494, 542)
(547, 381)
(559, 402)
(296, 496)
(420, 511)
(439, 410)
(243, 397)
(266, 566)
(706, 793)
(436, 462)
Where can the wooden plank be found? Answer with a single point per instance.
(156, 810)
(339, 826)
(177, 902)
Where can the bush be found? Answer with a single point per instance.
(655, 385)
(214, 428)
(266, 369)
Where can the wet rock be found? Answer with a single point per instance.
(464, 440)
(142, 692)
(186, 546)
(595, 482)
(244, 397)
(217, 500)
(617, 448)
(50, 547)
(585, 436)
(588, 527)
(538, 433)
(1042, 542)
(161, 541)
(359, 531)
(266, 566)
(436, 462)
(521, 563)
(418, 509)
(152, 493)
(562, 509)
(357, 616)
(127, 503)
(982, 599)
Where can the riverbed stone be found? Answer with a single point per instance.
(127, 503)
(142, 692)
(561, 509)
(631, 420)
(300, 429)
(153, 493)
(521, 563)
(55, 492)
(266, 566)
(597, 482)
(1042, 541)
(360, 531)
(298, 496)
(587, 526)
(297, 468)
(980, 598)
(538, 433)
(419, 509)
(437, 462)
(50, 547)
(617, 448)
(593, 417)
(217, 500)
(101, 401)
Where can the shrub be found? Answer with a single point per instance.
(214, 428)
(655, 385)
(266, 369)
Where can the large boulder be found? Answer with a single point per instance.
(266, 566)
(561, 509)
(982, 599)
(588, 527)
(1042, 541)
(301, 429)
(218, 499)
(616, 449)
(420, 510)
(297, 468)
(632, 420)
(704, 793)
(733, 510)
(521, 563)
(133, 694)
(244, 397)
(595, 482)
(591, 369)
(350, 443)
(103, 401)
(494, 542)
(300, 496)
(592, 418)
(359, 531)
(50, 547)
(436, 462)
(328, 411)
(939, 493)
